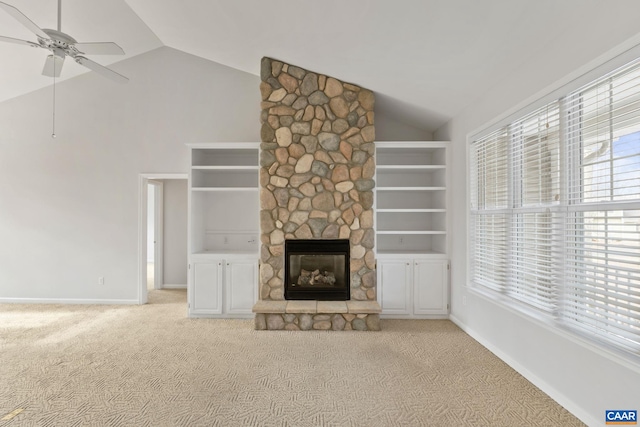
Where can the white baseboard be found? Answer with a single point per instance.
(170, 286)
(551, 391)
(68, 301)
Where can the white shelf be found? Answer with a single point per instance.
(415, 232)
(221, 189)
(414, 199)
(224, 178)
(413, 153)
(411, 177)
(403, 253)
(411, 184)
(229, 155)
(411, 243)
(225, 254)
(410, 167)
(402, 210)
(411, 188)
(228, 168)
(224, 204)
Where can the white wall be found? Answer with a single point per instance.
(69, 206)
(586, 381)
(175, 232)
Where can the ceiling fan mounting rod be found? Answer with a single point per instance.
(59, 15)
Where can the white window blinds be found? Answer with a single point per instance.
(490, 172)
(555, 210)
(535, 157)
(602, 271)
(515, 182)
(489, 182)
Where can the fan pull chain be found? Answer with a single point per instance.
(53, 134)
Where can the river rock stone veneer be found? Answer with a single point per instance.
(317, 169)
(317, 315)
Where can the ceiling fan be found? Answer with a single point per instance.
(62, 45)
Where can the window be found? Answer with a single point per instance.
(555, 210)
(490, 202)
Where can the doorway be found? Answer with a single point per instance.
(152, 231)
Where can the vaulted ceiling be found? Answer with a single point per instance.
(426, 59)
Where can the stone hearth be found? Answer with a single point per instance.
(316, 182)
(318, 315)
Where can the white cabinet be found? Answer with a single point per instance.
(241, 284)
(205, 280)
(413, 287)
(222, 287)
(395, 280)
(430, 287)
(224, 212)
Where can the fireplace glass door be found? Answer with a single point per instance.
(317, 270)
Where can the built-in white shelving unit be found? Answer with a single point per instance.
(223, 229)
(411, 228)
(224, 198)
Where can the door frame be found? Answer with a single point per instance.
(143, 181)
(158, 230)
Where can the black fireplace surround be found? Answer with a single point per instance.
(317, 269)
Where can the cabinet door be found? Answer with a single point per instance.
(394, 282)
(241, 284)
(431, 287)
(206, 287)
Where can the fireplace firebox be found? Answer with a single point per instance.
(317, 269)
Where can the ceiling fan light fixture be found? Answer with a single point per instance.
(53, 65)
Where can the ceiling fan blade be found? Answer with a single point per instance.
(100, 69)
(53, 66)
(20, 17)
(18, 41)
(99, 48)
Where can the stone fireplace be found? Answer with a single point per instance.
(317, 169)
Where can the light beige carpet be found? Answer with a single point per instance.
(151, 366)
